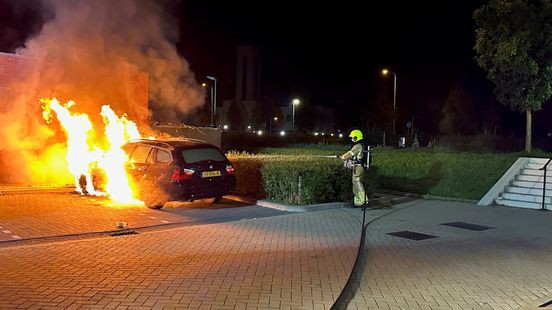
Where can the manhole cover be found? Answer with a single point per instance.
(468, 226)
(123, 233)
(412, 235)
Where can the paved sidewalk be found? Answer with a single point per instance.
(298, 261)
(46, 214)
(506, 267)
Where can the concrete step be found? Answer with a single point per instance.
(525, 198)
(534, 191)
(540, 161)
(533, 179)
(538, 166)
(518, 204)
(532, 185)
(534, 172)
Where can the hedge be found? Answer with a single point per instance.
(296, 180)
(433, 172)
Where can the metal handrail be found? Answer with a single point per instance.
(543, 208)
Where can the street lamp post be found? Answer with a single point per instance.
(293, 104)
(270, 124)
(213, 99)
(384, 72)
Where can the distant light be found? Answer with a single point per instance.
(296, 101)
(203, 84)
(282, 133)
(275, 118)
(249, 127)
(225, 127)
(316, 133)
(260, 132)
(341, 135)
(331, 134)
(384, 71)
(322, 133)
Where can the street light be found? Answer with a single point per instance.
(385, 72)
(293, 104)
(270, 123)
(213, 99)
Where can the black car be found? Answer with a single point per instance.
(183, 169)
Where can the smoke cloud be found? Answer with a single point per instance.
(93, 52)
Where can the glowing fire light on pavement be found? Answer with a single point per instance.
(84, 151)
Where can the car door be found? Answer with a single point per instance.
(139, 162)
(159, 172)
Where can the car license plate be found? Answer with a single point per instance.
(210, 174)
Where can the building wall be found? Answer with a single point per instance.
(248, 73)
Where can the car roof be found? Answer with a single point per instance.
(173, 143)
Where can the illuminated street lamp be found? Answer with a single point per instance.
(293, 104)
(385, 72)
(213, 99)
(270, 123)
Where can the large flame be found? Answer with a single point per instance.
(85, 152)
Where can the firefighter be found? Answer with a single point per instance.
(353, 160)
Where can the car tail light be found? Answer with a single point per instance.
(230, 169)
(182, 174)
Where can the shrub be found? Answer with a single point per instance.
(295, 179)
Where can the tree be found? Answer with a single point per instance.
(457, 112)
(514, 45)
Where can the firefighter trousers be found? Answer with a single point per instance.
(358, 188)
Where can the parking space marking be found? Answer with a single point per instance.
(153, 217)
(165, 221)
(6, 231)
(15, 237)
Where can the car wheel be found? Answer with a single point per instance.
(154, 204)
(152, 197)
(217, 199)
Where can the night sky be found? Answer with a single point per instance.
(331, 54)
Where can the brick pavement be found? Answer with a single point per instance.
(503, 268)
(39, 213)
(298, 261)
(51, 214)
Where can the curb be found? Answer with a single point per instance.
(300, 208)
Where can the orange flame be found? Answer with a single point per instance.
(84, 153)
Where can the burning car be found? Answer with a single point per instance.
(179, 169)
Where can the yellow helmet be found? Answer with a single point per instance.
(356, 135)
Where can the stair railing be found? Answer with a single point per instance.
(545, 167)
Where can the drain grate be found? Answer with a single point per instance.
(123, 233)
(412, 235)
(468, 226)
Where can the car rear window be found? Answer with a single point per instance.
(197, 155)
